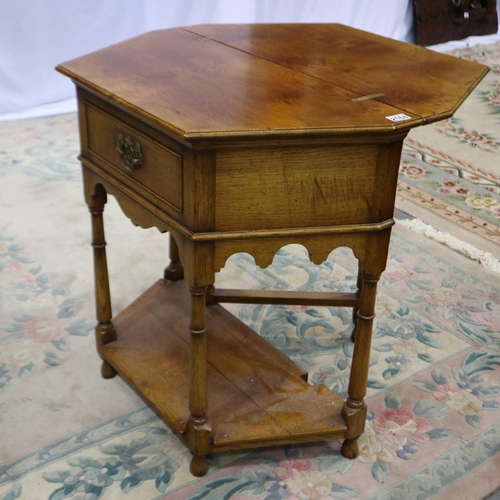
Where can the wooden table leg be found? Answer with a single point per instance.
(174, 271)
(199, 432)
(359, 284)
(354, 411)
(104, 330)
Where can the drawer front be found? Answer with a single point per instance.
(152, 165)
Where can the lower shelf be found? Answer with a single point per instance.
(257, 396)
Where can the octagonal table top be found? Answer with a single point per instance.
(269, 80)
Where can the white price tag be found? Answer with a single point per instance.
(398, 118)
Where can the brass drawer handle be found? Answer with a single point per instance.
(130, 153)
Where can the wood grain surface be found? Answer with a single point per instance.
(256, 394)
(250, 137)
(260, 80)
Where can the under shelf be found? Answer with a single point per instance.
(256, 395)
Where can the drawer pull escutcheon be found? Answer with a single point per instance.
(130, 153)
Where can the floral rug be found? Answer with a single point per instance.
(433, 428)
(450, 174)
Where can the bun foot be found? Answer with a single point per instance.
(198, 466)
(350, 448)
(107, 371)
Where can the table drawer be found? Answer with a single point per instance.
(151, 164)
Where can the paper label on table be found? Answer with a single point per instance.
(398, 118)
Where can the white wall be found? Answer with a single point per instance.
(36, 35)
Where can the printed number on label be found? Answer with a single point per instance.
(398, 118)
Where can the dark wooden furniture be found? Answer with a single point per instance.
(438, 21)
(246, 138)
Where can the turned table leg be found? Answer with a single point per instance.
(199, 433)
(359, 285)
(104, 330)
(354, 411)
(174, 271)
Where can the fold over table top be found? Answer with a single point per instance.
(258, 80)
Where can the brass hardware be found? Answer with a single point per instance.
(130, 154)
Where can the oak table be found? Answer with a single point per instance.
(245, 138)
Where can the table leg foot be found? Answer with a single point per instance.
(198, 466)
(107, 371)
(350, 448)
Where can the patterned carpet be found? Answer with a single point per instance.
(433, 428)
(450, 175)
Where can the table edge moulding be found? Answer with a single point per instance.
(245, 138)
